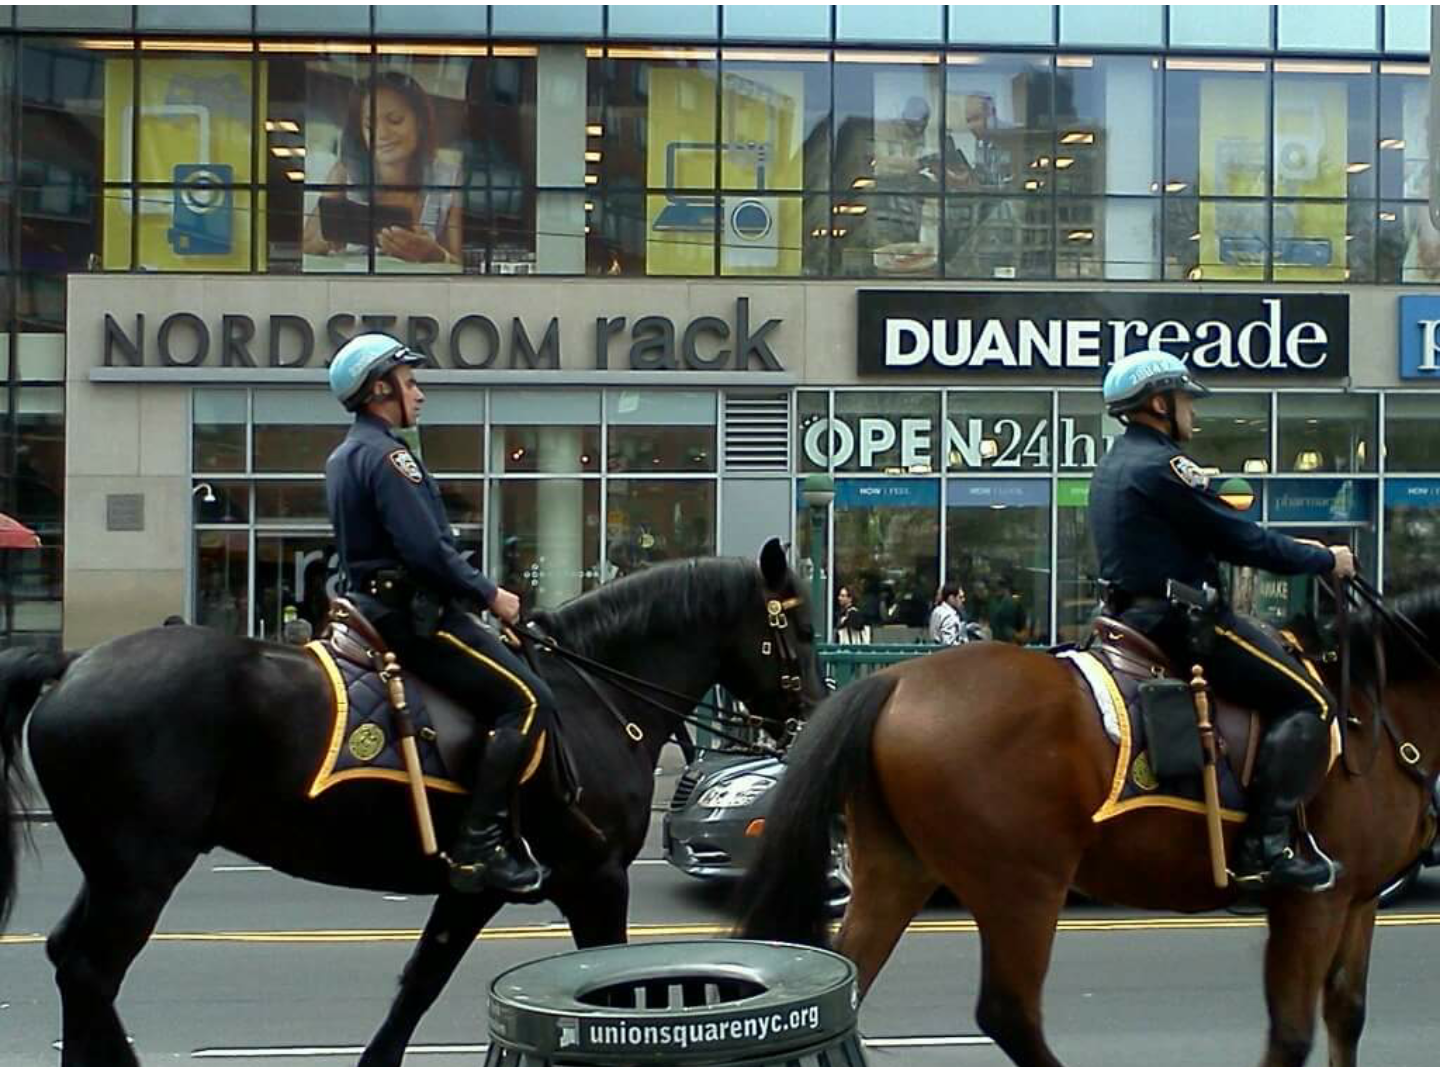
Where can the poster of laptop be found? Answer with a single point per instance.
(391, 150)
(757, 155)
(194, 145)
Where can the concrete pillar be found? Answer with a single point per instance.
(560, 109)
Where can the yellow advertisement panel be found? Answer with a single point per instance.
(1305, 237)
(759, 152)
(195, 141)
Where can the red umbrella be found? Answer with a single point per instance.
(15, 534)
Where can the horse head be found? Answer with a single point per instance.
(769, 661)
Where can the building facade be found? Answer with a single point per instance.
(666, 262)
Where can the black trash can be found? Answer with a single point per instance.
(710, 1003)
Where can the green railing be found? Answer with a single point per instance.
(846, 663)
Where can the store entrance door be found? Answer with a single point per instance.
(298, 568)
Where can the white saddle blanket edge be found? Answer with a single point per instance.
(1096, 677)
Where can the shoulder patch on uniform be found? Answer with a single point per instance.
(1189, 472)
(404, 462)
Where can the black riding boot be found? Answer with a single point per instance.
(487, 854)
(1291, 760)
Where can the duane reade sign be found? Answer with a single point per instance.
(1014, 332)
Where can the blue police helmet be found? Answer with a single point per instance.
(1135, 378)
(361, 360)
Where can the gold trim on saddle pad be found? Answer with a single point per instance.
(1113, 805)
(326, 776)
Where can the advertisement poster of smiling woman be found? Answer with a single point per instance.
(389, 155)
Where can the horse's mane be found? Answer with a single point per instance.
(1402, 661)
(679, 597)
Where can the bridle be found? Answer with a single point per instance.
(781, 646)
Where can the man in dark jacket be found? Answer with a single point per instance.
(1155, 517)
(400, 563)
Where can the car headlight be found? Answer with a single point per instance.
(736, 793)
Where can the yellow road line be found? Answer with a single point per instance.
(561, 933)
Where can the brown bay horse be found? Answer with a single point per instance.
(978, 768)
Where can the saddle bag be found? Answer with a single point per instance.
(1172, 735)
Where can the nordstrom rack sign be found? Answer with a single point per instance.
(1009, 332)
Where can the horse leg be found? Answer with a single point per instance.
(889, 885)
(1016, 912)
(597, 907)
(1305, 933)
(454, 922)
(93, 947)
(1344, 999)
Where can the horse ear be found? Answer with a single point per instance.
(774, 567)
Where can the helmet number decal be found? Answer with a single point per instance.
(404, 462)
(1189, 472)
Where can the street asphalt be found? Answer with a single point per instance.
(252, 967)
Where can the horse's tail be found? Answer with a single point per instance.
(23, 672)
(782, 897)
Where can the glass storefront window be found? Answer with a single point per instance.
(997, 431)
(1412, 527)
(1107, 125)
(1327, 433)
(293, 568)
(1216, 239)
(887, 551)
(1084, 432)
(997, 546)
(999, 135)
(650, 521)
(876, 235)
(296, 430)
(1227, 26)
(218, 430)
(1324, 129)
(1412, 431)
(887, 123)
(1077, 579)
(222, 580)
(815, 436)
(464, 502)
(546, 539)
(1000, 237)
(219, 502)
(1232, 433)
(1216, 128)
(38, 422)
(1404, 137)
(660, 431)
(545, 432)
(1328, 510)
(890, 433)
(778, 101)
(290, 502)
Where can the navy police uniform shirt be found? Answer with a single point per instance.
(387, 513)
(1155, 517)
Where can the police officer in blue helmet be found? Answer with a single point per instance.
(400, 563)
(1155, 517)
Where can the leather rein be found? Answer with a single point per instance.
(1362, 592)
(781, 646)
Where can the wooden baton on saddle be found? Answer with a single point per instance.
(1199, 688)
(405, 731)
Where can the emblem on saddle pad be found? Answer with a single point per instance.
(366, 742)
(1142, 774)
(404, 462)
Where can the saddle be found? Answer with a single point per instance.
(363, 744)
(1115, 661)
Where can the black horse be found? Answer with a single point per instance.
(158, 746)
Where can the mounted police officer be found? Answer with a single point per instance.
(1155, 517)
(400, 564)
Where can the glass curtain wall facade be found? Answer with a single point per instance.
(990, 488)
(965, 142)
